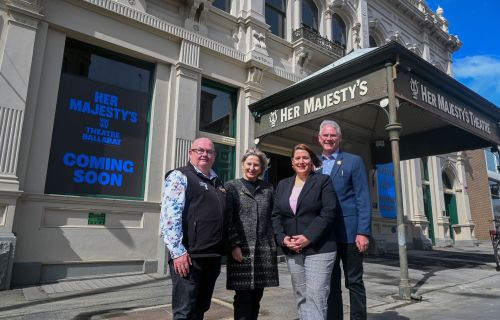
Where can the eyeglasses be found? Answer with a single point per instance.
(201, 151)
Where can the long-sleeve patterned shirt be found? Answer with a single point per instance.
(172, 206)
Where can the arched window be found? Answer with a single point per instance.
(446, 181)
(310, 14)
(275, 16)
(338, 30)
(373, 42)
(222, 4)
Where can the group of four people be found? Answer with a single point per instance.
(320, 217)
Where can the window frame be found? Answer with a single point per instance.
(280, 12)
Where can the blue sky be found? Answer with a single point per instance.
(477, 63)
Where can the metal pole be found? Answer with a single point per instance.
(393, 128)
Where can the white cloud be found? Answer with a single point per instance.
(481, 74)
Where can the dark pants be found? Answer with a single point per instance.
(352, 264)
(247, 304)
(191, 296)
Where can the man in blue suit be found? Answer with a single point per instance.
(353, 226)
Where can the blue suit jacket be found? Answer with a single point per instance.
(351, 186)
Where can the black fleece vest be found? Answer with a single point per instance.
(203, 218)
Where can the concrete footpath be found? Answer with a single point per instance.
(455, 283)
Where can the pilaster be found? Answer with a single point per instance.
(20, 19)
(186, 93)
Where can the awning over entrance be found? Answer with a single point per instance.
(437, 114)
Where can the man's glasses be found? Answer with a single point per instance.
(201, 151)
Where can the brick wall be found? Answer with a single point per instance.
(479, 193)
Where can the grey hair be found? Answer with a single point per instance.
(263, 159)
(330, 123)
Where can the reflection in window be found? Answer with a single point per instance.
(446, 181)
(224, 162)
(275, 16)
(310, 14)
(104, 66)
(491, 161)
(338, 30)
(222, 4)
(217, 108)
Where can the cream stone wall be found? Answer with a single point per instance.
(186, 45)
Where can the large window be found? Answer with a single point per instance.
(222, 4)
(218, 117)
(275, 16)
(218, 108)
(99, 139)
(338, 30)
(310, 14)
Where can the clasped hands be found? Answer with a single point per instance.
(296, 243)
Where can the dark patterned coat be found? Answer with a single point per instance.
(251, 229)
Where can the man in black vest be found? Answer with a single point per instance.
(193, 227)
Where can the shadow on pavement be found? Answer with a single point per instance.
(392, 315)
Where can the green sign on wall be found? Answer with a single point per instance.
(98, 219)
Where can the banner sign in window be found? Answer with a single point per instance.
(386, 190)
(99, 140)
(98, 219)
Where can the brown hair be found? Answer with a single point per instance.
(301, 146)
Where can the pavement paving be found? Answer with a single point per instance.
(454, 283)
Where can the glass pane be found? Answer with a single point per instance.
(222, 4)
(490, 161)
(276, 21)
(310, 14)
(106, 67)
(99, 139)
(338, 30)
(118, 73)
(224, 162)
(217, 109)
(277, 4)
(373, 43)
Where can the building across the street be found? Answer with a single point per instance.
(99, 98)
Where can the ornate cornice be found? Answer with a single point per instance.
(164, 26)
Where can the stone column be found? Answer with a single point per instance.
(328, 24)
(362, 15)
(19, 22)
(252, 92)
(297, 15)
(441, 221)
(254, 9)
(465, 236)
(186, 101)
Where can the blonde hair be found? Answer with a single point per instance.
(263, 159)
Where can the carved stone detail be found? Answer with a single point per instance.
(255, 75)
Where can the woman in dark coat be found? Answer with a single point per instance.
(252, 264)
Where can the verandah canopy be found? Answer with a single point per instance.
(437, 113)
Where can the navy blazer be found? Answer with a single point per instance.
(314, 217)
(351, 186)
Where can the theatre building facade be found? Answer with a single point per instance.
(99, 98)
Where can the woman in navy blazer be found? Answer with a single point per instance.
(303, 216)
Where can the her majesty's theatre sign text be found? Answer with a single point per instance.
(367, 88)
(423, 94)
(98, 141)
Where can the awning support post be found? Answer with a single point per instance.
(393, 128)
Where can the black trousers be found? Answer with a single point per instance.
(352, 264)
(247, 304)
(191, 295)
